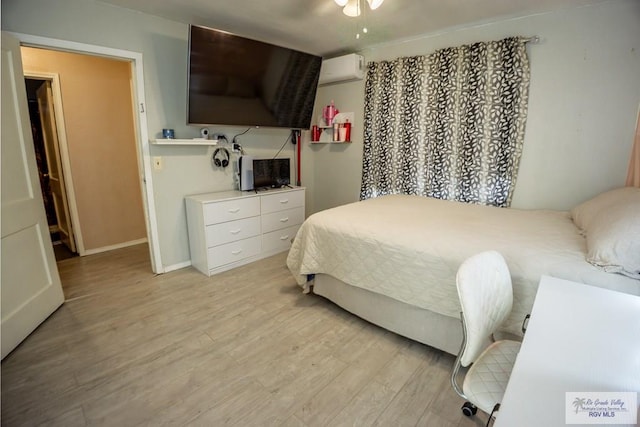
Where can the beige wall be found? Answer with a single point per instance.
(97, 104)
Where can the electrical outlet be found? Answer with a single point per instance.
(157, 163)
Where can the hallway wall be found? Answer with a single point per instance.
(100, 128)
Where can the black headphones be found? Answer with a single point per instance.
(221, 163)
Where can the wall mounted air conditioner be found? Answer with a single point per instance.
(342, 69)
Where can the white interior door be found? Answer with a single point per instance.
(30, 284)
(54, 164)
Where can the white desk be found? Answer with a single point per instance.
(580, 339)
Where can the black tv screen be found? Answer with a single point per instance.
(271, 173)
(242, 82)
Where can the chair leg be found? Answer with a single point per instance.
(469, 409)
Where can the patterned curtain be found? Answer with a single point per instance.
(449, 125)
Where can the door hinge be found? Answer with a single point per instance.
(141, 107)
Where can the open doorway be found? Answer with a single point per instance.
(90, 147)
(44, 128)
(137, 102)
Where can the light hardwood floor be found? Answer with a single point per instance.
(243, 348)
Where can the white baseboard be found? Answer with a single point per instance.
(166, 269)
(177, 266)
(112, 247)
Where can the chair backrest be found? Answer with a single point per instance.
(486, 296)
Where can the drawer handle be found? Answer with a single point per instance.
(284, 201)
(236, 252)
(235, 231)
(234, 210)
(285, 219)
(284, 237)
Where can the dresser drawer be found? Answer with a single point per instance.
(279, 201)
(232, 252)
(279, 240)
(283, 219)
(230, 210)
(219, 234)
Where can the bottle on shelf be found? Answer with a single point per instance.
(315, 133)
(336, 131)
(329, 112)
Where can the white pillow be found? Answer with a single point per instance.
(611, 224)
(584, 213)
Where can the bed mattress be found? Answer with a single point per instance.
(409, 248)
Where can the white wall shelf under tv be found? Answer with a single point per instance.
(194, 141)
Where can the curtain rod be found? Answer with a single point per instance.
(532, 39)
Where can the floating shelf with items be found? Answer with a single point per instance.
(194, 141)
(330, 142)
(327, 133)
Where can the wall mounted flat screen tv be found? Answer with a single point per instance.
(271, 173)
(237, 81)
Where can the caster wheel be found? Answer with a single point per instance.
(469, 409)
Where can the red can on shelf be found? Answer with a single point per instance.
(315, 133)
(347, 126)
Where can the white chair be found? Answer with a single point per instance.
(486, 297)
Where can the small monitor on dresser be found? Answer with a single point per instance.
(271, 173)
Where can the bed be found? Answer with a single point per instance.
(392, 260)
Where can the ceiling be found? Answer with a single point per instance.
(320, 27)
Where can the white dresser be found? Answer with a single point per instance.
(232, 228)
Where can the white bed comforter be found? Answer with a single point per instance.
(409, 248)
